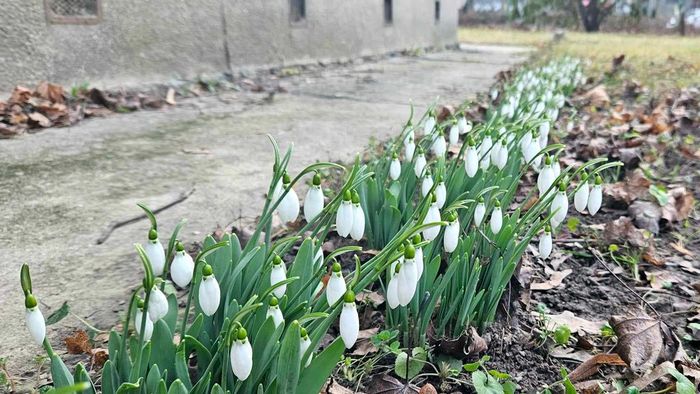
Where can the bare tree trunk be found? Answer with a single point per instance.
(593, 12)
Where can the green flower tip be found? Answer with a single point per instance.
(349, 296)
(402, 247)
(439, 179)
(355, 197)
(409, 252)
(207, 270)
(547, 160)
(317, 179)
(481, 200)
(139, 303)
(347, 196)
(179, 246)
(277, 260)
(598, 180)
(497, 203)
(152, 234)
(242, 334)
(584, 176)
(471, 142)
(397, 268)
(273, 301)
(419, 150)
(30, 301)
(303, 332)
(416, 239)
(562, 186)
(433, 198)
(548, 229)
(451, 216)
(336, 267)
(394, 155)
(504, 142)
(286, 179)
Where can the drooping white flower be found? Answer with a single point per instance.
(441, 192)
(395, 167)
(336, 285)
(138, 319)
(471, 159)
(439, 146)
(35, 320)
(595, 197)
(349, 320)
(318, 258)
(209, 291)
(427, 184)
(494, 94)
(479, 212)
(419, 255)
(556, 167)
(496, 218)
(278, 274)
(277, 191)
(358, 218)
(484, 152)
(344, 216)
(241, 355)
(407, 276)
(182, 267)
(273, 310)
(157, 304)
(462, 124)
(545, 246)
(581, 195)
(314, 201)
(454, 134)
(304, 344)
(155, 253)
(288, 208)
(392, 290)
(560, 205)
(502, 157)
(429, 124)
(420, 163)
(433, 216)
(544, 135)
(546, 177)
(451, 237)
(409, 150)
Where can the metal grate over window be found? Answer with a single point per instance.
(73, 11)
(297, 10)
(388, 12)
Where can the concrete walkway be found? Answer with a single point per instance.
(61, 187)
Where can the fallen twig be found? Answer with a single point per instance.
(115, 225)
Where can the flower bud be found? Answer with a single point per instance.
(479, 212)
(433, 216)
(138, 321)
(454, 134)
(182, 267)
(155, 253)
(278, 274)
(336, 287)
(581, 195)
(157, 304)
(241, 355)
(274, 311)
(420, 163)
(395, 168)
(451, 237)
(595, 198)
(304, 344)
(34, 319)
(427, 184)
(358, 218)
(288, 208)
(496, 218)
(545, 246)
(344, 216)
(349, 321)
(314, 201)
(441, 193)
(209, 291)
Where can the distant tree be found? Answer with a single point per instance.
(593, 12)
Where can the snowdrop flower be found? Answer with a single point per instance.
(318, 258)
(349, 321)
(451, 237)
(358, 218)
(241, 355)
(581, 195)
(494, 94)
(465, 126)
(427, 184)
(471, 158)
(484, 152)
(157, 304)
(314, 201)
(419, 255)
(429, 124)
(304, 344)
(398, 261)
(273, 310)
(419, 165)
(433, 216)
(182, 267)
(545, 247)
(595, 198)
(288, 208)
(209, 291)
(544, 135)
(35, 320)
(336, 285)
(155, 253)
(502, 157)
(277, 275)
(138, 321)
(344, 216)
(441, 192)
(407, 276)
(496, 218)
(409, 149)
(546, 177)
(395, 167)
(277, 191)
(392, 290)
(479, 212)
(560, 205)
(439, 146)
(555, 167)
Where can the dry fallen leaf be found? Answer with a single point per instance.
(634, 186)
(428, 389)
(387, 384)
(336, 388)
(99, 357)
(590, 366)
(370, 297)
(680, 203)
(477, 344)
(622, 230)
(643, 342)
(555, 280)
(78, 343)
(576, 324)
(597, 96)
(364, 342)
(170, 97)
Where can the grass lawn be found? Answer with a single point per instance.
(657, 61)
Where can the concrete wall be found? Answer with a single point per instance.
(153, 40)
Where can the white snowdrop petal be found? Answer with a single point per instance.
(451, 237)
(336, 288)
(157, 305)
(407, 281)
(419, 165)
(581, 197)
(156, 255)
(304, 345)
(181, 269)
(462, 124)
(454, 134)
(471, 162)
(441, 194)
(313, 204)
(289, 207)
(358, 222)
(479, 213)
(439, 146)
(241, 359)
(343, 219)
(209, 295)
(392, 292)
(426, 185)
(560, 205)
(148, 330)
(419, 262)
(545, 246)
(429, 125)
(395, 169)
(409, 150)
(595, 199)
(278, 274)
(276, 314)
(349, 324)
(433, 216)
(545, 179)
(36, 325)
(496, 220)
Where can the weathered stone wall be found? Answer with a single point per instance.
(153, 40)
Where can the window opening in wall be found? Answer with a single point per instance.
(388, 12)
(73, 11)
(437, 10)
(297, 10)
